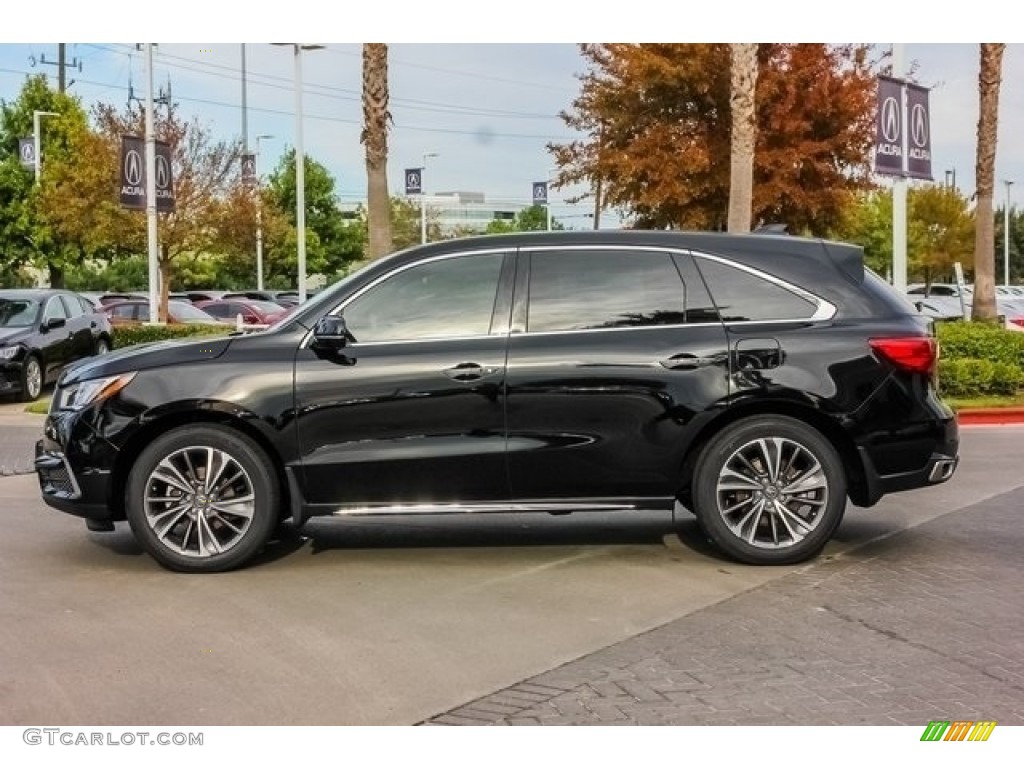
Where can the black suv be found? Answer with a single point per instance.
(757, 380)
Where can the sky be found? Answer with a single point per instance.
(482, 94)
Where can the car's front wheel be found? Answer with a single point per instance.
(202, 499)
(102, 345)
(31, 379)
(769, 490)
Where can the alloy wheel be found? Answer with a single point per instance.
(199, 501)
(772, 492)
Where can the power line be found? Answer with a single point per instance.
(326, 118)
(335, 92)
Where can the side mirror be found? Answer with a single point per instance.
(54, 323)
(331, 334)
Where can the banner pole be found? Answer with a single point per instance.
(899, 187)
(151, 217)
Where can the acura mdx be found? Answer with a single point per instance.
(759, 381)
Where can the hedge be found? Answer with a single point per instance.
(126, 336)
(977, 359)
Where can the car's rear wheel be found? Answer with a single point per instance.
(769, 490)
(31, 379)
(202, 499)
(102, 345)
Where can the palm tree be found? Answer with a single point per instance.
(375, 138)
(984, 236)
(743, 69)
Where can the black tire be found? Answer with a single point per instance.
(766, 519)
(33, 379)
(183, 531)
(102, 346)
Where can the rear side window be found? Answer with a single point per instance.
(743, 296)
(584, 290)
(73, 306)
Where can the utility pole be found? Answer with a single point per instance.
(245, 111)
(151, 217)
(62, 65)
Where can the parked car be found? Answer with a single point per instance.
(42, 332)
(759, 381)
(270, 296)
(253, 312)
(179, 313)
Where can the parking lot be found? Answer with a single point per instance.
(617, 617)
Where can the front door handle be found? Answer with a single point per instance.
(469, 372)
(686, 362)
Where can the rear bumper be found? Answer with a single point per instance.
(939, 467)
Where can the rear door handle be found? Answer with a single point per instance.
(686, 362)
(469, 372)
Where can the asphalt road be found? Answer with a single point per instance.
(372, 621)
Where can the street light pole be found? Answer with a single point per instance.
(550, 171)
(300, 168)
(36, 128)
(1006, 234)
(423, 198)
(259, 214)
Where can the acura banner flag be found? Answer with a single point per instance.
(133, 175)
(919, 133)
(903, 138)
(889, 128)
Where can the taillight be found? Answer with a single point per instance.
(916, 354)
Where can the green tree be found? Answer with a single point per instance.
(940, 231)
(532, 219)
(406, 226)
(26, 236)
(331, 241)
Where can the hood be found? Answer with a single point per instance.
(11, 335)
(141, 357)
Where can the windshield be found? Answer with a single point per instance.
(184, 311)
(18, 313)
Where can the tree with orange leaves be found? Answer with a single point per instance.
(656, 122)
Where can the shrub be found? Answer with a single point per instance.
(980, 341)
(970, 377)
(126, 336)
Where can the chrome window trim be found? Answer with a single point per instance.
(825, 310)
(402, 268)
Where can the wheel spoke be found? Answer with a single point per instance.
(787, 514)
(173, 522)
(211, 545)
(731, 480)
(167, 473)
(228, 523)
(812, 479)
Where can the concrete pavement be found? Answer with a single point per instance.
(405, 620)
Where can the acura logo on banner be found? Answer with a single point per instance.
(903, 130)
(889, 129)
(413, 181)
(27, 152)
(540, 193)
(133, 175)
(919, 152)
(248, 168)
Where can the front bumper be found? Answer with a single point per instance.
(10, 377)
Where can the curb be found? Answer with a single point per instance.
(973, 416)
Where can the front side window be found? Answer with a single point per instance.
(439, 299)
(585, 290)
(743, 296)
(55, 310)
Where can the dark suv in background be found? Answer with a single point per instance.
(759, 380)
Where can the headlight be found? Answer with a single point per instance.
(8, 353)
(84, 393)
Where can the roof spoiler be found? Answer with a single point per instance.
(848, 257)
